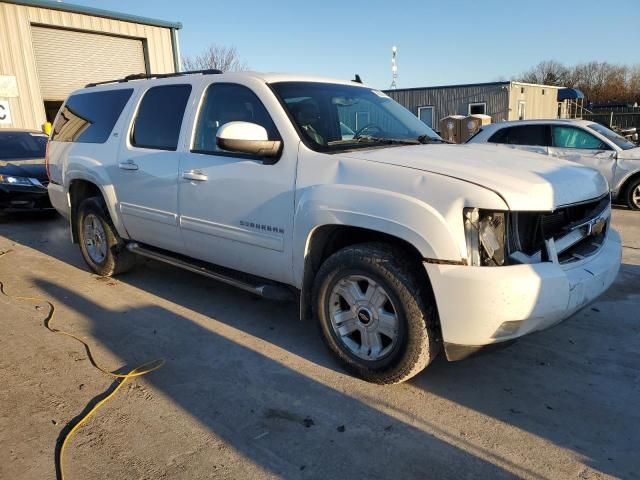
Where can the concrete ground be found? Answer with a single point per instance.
(249, 391)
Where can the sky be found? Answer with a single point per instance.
(439, 43)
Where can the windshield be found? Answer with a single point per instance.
(619, 140)
(22, 145)
(333, 117)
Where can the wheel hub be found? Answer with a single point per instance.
(363, 317)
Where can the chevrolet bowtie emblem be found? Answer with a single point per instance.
(596, 226)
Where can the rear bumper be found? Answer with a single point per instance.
(22, 198)
(483, 306)
(60, 199)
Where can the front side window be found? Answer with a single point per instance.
(571, 137)
(323, 112)
(224, 103)
(619, 140)
(22, 145)
(159, 119)
(535, 135)
(90, 117)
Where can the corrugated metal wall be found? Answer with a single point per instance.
(455, 100)
(502, 100)
(17, 55)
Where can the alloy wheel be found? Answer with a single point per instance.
(363, 317)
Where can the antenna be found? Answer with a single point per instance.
(394, 67)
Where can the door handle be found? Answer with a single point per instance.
(128, 165)
(195, 175)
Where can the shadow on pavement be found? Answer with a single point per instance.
(238, 393)
(574, 385)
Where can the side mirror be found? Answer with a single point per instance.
(246, 137)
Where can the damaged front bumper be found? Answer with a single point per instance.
(482, 307)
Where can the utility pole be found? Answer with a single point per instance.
(394, 68)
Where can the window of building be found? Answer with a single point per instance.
(159, 117)
(571, 137)
(536, 135)
(478, 108)
(426, 115)
(90, 117)
(362, 119)
(224, 103)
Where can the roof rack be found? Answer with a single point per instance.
(143, 76)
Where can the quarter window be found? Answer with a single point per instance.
(224, 103)
(90, 117)
(571, 137)
(159, 118)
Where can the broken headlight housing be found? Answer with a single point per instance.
(485, 235)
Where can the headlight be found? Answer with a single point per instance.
(485, 234)
(11, 180)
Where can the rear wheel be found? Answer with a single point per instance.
(101, 246)
(372, 312)
(633, 194)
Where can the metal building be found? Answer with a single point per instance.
(49, 48)
(501, 100)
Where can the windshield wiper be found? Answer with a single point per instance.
(427, 139)
(389, 141)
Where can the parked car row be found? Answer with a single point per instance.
(23, 177)
(397, 244)
(580, 141)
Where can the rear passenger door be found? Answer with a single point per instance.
(145, 176)
(532, 138)
(577, 145)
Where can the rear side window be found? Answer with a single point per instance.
(90, 117)
(523, 135)
(159, 118)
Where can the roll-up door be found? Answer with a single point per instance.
(68, 59)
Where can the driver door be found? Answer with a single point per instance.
(577, 145)
(236, 210)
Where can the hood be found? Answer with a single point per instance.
(631, 154)
(34, 168)
(526, 181)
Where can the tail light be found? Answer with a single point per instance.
(46, 161)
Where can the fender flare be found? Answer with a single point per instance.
(98, 178)
(391, 213)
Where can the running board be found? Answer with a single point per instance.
(243, 281)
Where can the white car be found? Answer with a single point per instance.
(397, 244)
(581, 141)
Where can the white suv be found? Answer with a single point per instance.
(399, 245)
(580, 141)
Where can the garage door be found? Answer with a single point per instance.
(67, 59)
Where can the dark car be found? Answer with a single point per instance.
(23, 175)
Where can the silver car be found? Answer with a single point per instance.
(580, 141)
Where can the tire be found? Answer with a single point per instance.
(105, 251)
(378, 348)
(632, 194)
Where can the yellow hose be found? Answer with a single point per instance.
(123, 377)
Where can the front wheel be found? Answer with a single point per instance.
(101, 246)
(372, 311)
(633, 194)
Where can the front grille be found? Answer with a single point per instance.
(564, 235)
